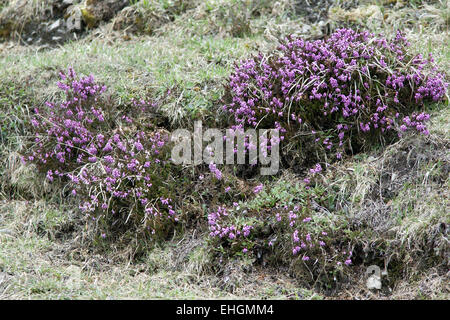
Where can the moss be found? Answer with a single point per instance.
(90, 20)
(6, 29)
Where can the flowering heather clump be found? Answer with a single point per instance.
(66, 134)
(336, 93)
(282, 221)
(228, 231)
(124, 182)
(221, 229)
(116, 176)
(310, 240)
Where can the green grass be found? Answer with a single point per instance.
(192, 68)
(34, 265)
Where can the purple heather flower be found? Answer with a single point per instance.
(257, 189)
(138, 146)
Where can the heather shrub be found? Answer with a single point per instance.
(65, 132)
(114, 167)
(287, 223)
(335, 95)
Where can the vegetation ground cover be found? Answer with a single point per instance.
(383, 203)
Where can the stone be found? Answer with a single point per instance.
(74, 19)
(306, 28)
(373, 283)
(55, 25)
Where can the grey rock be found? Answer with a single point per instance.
(55, 25)
(373, 283)
(321, 23)
(74, 20)
(306, 29)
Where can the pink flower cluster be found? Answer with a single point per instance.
(292, 227)
(220, 227)
(336, 89)
(122, 179)
(65, 134)
(111, 173)
(415, 121)
(308, 238)
(217, 173)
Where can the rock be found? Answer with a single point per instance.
(306, 29)
(74, 19)
(373, 282)
(55, 25)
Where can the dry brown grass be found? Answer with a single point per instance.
(44, 255)
(18, 15)
(402, 15)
